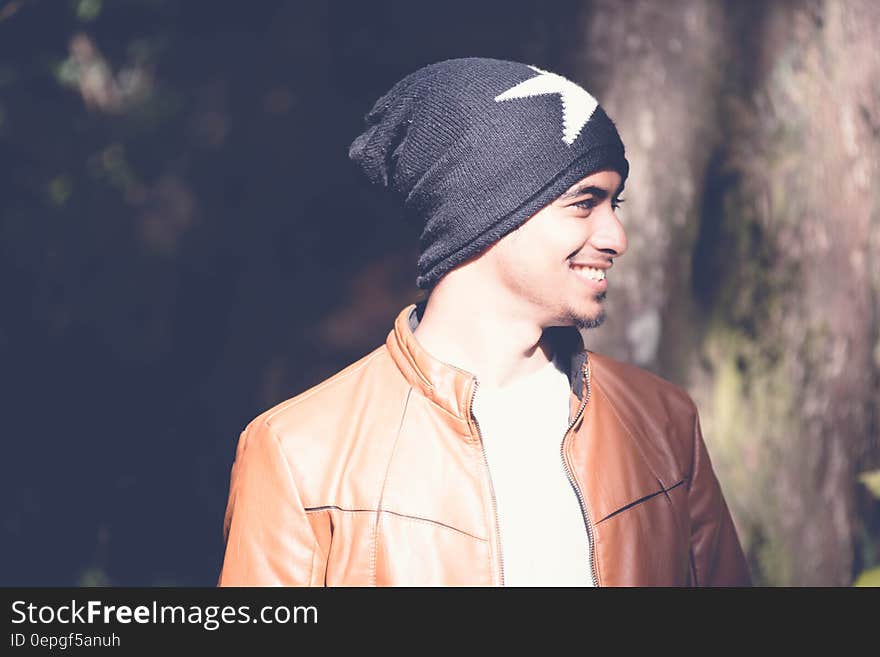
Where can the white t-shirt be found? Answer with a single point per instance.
(544, 539)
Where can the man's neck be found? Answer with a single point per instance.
(497, 347)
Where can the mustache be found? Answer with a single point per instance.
(599, 258)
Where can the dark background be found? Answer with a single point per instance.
(184, 243)
(163, 263)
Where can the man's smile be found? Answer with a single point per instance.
(591, 273)
(594, 277)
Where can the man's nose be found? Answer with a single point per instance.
(609, 235)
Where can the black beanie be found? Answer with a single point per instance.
(477, 146)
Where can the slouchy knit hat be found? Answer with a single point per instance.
(477, 146)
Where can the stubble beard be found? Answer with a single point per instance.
(583, 322)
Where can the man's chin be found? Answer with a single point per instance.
(589, 322)
(584, 321)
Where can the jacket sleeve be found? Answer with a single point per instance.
(269, 540)
(716, 555)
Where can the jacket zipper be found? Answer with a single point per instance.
(491, 486)
(584, 511)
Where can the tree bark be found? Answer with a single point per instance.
(752, 275)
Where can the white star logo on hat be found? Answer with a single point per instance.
(577, 104)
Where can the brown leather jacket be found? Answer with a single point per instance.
(377, 476)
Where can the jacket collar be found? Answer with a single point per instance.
(614, 461)
(451, 387)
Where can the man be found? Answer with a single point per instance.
(482, 444)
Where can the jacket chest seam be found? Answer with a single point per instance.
(374, 544)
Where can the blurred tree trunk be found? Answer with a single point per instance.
(753, 274)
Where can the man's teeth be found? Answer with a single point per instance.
(589, 272)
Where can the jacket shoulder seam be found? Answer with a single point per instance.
(661, 383)
(274, 436)
(629, 432)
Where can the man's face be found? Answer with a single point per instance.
(555, 266)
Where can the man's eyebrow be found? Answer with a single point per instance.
(598, 192)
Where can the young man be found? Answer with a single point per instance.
(482, 444)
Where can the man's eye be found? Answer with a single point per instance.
(592, 202)
(586, 204)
